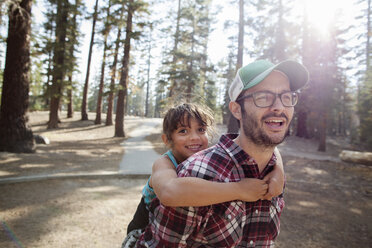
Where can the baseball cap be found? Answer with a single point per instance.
(253, 73)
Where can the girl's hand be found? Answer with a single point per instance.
(275, 187)
(252, 189)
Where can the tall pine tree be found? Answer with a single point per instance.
(15, 135)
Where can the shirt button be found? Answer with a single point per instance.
(229, 217)
(256, 211)
(251, 243)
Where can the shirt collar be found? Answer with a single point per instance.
(237, 154)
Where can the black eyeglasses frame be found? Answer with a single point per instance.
(272, 93)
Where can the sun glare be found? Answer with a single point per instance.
(321, 13)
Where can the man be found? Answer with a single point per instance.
(263, 96)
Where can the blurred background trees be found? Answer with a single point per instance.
(145, 55)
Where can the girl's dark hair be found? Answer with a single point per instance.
(182, 114)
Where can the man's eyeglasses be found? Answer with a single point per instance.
(265, 99)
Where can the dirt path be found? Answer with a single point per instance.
(328, 203)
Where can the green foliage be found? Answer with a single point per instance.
(271, 17)
(272, 31)
(186, 64)
(36, 100)
(364, 57)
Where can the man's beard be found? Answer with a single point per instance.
(252, 129)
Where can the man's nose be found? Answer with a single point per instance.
(278, 105)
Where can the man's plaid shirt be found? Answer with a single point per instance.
(229, 224)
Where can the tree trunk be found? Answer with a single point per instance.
(102, 79)
(58, 62)
(322, 132)
(173, 82)
(119, 120)
(239, 62)
(356, 157)
(84, 114)
(148, 74)
(301, 124)
(113, 78)
(280, 45)
(70, 108)
(15, 135)
(190, 82)
(233, 124)
(101, 84)
(113, 74)
(72, 43)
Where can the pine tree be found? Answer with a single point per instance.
(186, 64)
(47, 37)
(365, 90)
(59, 58)
(271, 18)
(132, 9)
(110, 101)
(84, 114)
(106, 30)
(149, 46)
(15, 135)
(233, 124)
(71, 60)
(322, 56)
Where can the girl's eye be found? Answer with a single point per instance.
(202, 130)
(182, 131)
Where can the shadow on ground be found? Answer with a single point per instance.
(327, 205)
(68, 213)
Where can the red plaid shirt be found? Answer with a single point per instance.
(229, 224)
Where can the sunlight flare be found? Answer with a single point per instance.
(320, 13)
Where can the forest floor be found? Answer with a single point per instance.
(328, 202)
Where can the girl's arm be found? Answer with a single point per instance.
(275, 179)
(191, 191)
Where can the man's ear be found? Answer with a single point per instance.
(164, 138)
(235, 110)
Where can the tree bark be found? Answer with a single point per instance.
(173, 82)
(322, 132)
(84, 114)
(113, 76)
(70, 108)
(119, 120)
(15, 135)
(148, 74)
(356, 157)
(58, 62)
(103, 66)
(301, 124)
(113, 72)
(239, 62)
(233, 124)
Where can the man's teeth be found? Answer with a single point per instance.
(275, 121)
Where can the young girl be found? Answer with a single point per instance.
(185, 130)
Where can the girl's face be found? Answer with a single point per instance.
(188, 140)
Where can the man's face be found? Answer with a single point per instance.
(267, 126)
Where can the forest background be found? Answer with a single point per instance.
(145, 55)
